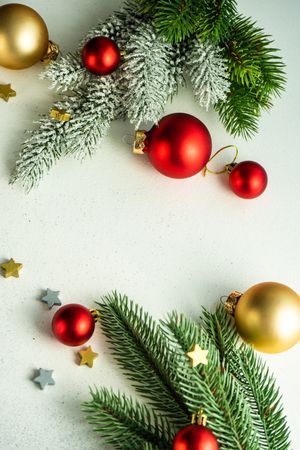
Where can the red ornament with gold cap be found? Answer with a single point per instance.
(73, 324)
(196, 436)
(179, 146)
(247, 179)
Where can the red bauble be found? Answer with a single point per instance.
(248, 179)
(101, 55)
(73, 324)
(179, 146)
(195, 437)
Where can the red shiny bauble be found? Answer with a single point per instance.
(101, 55)
(73, 324)
(195, 437)
(179, 146)
(248, 179)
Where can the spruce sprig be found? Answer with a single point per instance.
(235, 389)
(125, 423)
(258, 385)
(141, 350)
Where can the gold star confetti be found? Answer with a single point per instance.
(87, 356)
(198, 356)
(60, 114)
(11, 268)
(6, 92)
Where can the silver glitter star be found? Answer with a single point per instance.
(44, 378)
(51, 298)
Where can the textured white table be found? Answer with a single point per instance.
(115, 223)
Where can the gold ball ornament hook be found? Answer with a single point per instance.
(267, 316)
(24, 36)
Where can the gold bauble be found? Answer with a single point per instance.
(267, 316)
(23, 36)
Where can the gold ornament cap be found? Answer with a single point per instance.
(51, 54)
(232, 301)
(139, 142)
(199, 418)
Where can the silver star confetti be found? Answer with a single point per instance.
(44, 378)
(51, 298)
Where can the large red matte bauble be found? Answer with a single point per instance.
(195, 437)
(73, 324)
(101, 55)
(179, 146)
(248, 179)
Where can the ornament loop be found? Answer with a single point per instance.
(199, 418)
(226, 168)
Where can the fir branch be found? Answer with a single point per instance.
(256, 382)
(208, 73)
(176, 20)
(68, 72)
(241, 110)
(215, 18)
(40, 151)
(92, 119)
(126, 424)
(212, 388)
(147, 76)
(251, 58)
(142, 351)
(92, 112)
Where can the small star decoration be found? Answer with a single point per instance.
(198, 356)
(60, 114)
(11, 269)
(51, 298)
(6, 92)
(44, 378)
(87, 356)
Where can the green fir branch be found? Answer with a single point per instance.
(211, 388)
(257, 384)
(251, 59)
(142, 351)
(126, 424)
(176, 20)
(215, 18)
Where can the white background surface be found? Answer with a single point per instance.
(115, 223)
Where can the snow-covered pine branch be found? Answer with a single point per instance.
(92, 111)
(208, 73)
(147, 75)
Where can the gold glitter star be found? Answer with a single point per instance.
(11, 268)
(60, 114)
(6, 92)
(198, 356)
(87, 356)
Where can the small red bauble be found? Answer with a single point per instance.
(73, 324)
(101, 55)
(248, 179)
(178, 147)
(195, 437)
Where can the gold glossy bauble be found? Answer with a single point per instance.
(23, 36)
(267, 316)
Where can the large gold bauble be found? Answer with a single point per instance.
(267, 316)
(23, 36)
